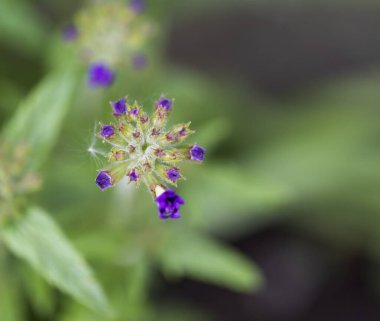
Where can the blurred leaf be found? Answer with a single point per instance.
(138, 280)
(10, 294)
(129, 292)
(186, 253)
(38, 119)
(20, 26)
(133, 302)
(326, 142)
(38, 240)
(235, 201)
(40, 294)
(103, 246)
(61, 53)
(326, 151)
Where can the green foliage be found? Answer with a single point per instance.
(312, 162)
(233, 190)
(42, 295)
(38, 119)
(38, 240)
(10, 307)
(328, 154)
(20, 26)
(187, 253)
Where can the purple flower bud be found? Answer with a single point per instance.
(107, 131)
(99, 75)
(70, 33)
(136, 5)
(131, 149)
(103, 180)
(133, 176)
(117, 155)
(136, 134)
(119, 107)
(155, 132)
(197, 153)
(134, 112)
(144, 118)
(139, 61)
(182, 132)
(164, 103)
(173, 174)
(168, 204)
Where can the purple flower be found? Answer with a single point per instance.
(173, 174)
(168, 204)
(119, 107)
(164, 103)
(139, 61)
(70, 33)
(197, 153)
(136, 5)
(107, 131)
(134, 112)
(99, 75)
(103, 180)
(133, 176)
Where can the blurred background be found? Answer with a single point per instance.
(282, 220)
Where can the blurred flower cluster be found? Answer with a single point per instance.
(108, 36)
(15, 180)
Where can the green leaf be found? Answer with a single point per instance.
(195, 255)
(38, 119)
(39, 241)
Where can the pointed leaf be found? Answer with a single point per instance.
(38, 240)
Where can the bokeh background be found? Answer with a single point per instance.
(281, 222)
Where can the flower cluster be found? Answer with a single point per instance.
(16, 180)
(142, 149)
(105, 34)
